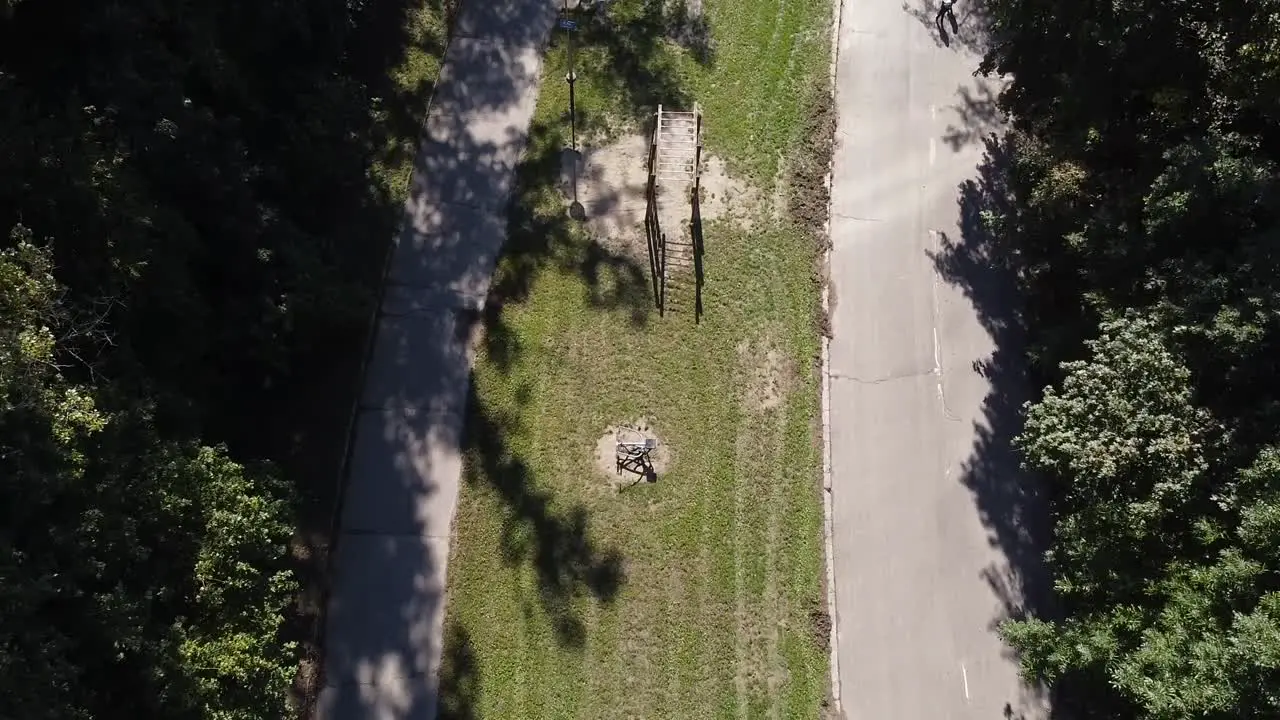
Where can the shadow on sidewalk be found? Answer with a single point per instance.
(386, 603)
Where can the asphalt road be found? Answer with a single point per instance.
(932, 525)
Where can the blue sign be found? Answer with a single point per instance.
(568, 24)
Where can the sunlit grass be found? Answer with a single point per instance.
(722, 557)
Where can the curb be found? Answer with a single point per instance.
(837, 7)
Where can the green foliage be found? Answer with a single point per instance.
(241, 585)
(1127, 447)
(194, 208)
(1144, 211)
(137, 574)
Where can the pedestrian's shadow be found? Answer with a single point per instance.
(950, 16)
(969, 37)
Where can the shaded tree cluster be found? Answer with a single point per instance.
(190, 210)
(1143, 220)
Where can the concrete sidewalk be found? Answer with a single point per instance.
(386, 610)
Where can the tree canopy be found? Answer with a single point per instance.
(191, 215)
(1142, 218)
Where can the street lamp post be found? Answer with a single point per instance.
(571, 26)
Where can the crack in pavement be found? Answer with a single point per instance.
(890, 378)
(842, 216)
(937, 372)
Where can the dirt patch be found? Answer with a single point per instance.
(723, 194)
(808, 193)
(639, 431)
(821, 621)
(610, 182)
(808, 185)
(771, 373)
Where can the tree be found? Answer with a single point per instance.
(137, 575)
(1145, 218)
(197, 222)
(1166, 606)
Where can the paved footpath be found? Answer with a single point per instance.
(927, 509)
(386, 610)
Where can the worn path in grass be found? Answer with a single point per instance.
(935, 534)
(385, 619)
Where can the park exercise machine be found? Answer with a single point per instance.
(634, 454)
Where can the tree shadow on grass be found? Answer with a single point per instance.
(459, 676)
(556, 542)
(1011, 502)
(639, 69)
(636, 38)
(541, 235)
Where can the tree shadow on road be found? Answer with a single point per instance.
(978, 115)
(1010, 501)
